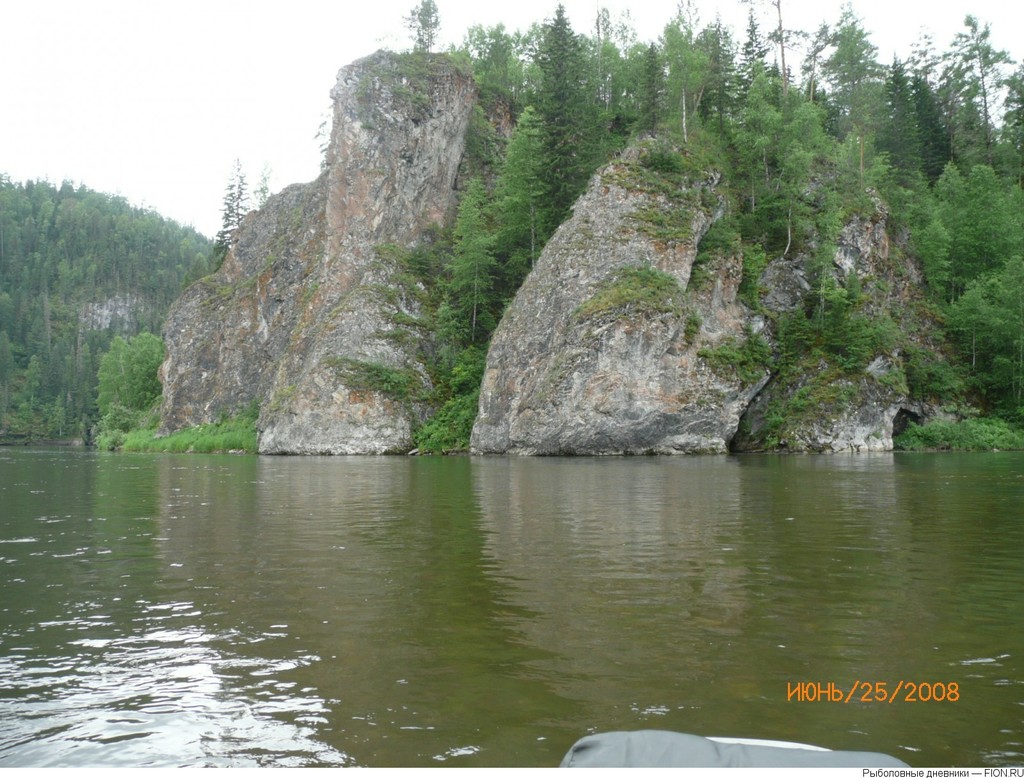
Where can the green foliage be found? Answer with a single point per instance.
(473, 269)
(77, 268)
(450, 428)
(423, 22)
(663, 159)
(987, 324)
(236, 434)
(128, 373)
(966, 435)
(398, 383)
(652, 89)
(235, 207)
(754, 262)
(692, 328)
(929, 377)
(519, 200)
(113, 426)
(982, 221)
(632, 291)
(566, 114)
(749, 359)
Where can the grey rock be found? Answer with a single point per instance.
(566, 374)
(311, 314)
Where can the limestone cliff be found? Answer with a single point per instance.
(616, 343)
(310, 314)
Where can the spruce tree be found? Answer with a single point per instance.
(473, 268)
(565, 120)
(235, 207)
(935, 139)
(652, 86)
(899, 135)
(752, 54)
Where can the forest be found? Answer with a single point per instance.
(805, 126)
(79, 271)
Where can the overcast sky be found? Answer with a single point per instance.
(155, 99)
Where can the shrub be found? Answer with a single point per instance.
(967, 435)
(634, 290)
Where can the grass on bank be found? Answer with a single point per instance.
(235, 433)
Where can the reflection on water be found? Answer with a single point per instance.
(162, 610)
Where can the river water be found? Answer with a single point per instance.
(247, 611)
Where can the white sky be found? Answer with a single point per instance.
(154, 99)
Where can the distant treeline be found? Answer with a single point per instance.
(77, 268)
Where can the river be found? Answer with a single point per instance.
(162, 610)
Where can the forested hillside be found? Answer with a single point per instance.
(938, 138)
(77, 268)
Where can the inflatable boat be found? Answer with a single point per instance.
(657, 748)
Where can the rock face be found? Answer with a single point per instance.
(816, 408)
(601, 350)
(601, 354)
(121, 313)
(312, 314)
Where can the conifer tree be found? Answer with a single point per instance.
(974, 69)
(235, 207)
(935, 141)
(652, 86)
(424, 23)
(473, 268)
(1013, 124)
(899, 135)
(715, 41)
(565, 119)
(519, 201)
(753, 52)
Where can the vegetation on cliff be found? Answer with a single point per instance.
(936, 141)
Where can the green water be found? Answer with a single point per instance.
(218, 610)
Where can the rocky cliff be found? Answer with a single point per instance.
(619, 343)
(817, 404)
(311, 314)
(601, 350)
(628, 336)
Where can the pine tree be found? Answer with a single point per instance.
(974, 69)
(855, 76)
(424, 22)
(819, 43)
